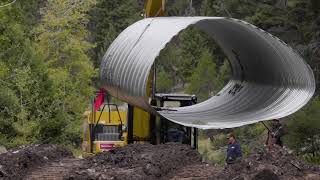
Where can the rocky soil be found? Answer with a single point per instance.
(174, 161)
(18, 162)
(138, 161)
(146, 161)
(262, 164)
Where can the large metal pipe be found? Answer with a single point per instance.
(269, 79)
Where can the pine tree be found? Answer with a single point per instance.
(61, 42)
(203, 81)
(108, 19)
(20, 78)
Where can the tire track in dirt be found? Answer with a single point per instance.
(196, 172)
(56, 170)
(19, 162)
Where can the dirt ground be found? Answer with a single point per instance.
(145, 161)
(54, 170)
(18, 162)
(174, 161)
(138, 161)
(263, 164)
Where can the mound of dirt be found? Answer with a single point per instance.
(16, 163)
(146, 161)
(138, 161)
(275, 164)
(176, 161)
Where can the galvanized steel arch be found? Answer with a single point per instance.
(269, 80)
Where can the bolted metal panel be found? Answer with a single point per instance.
(269, 79)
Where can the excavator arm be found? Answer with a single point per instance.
(155, 8)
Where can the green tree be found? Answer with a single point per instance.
(14, 64)
(204, 78)
(108, 19)
(304, 130)
(168, 66)
(224, 74)
(164, 82)
(189, 42)
(61, 42)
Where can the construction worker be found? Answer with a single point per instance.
(275, 134)
(234, 152)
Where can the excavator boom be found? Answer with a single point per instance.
(154, 8)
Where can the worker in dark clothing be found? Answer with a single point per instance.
(275, 134)
(234, 152)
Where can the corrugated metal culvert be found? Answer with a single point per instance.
(269, 79)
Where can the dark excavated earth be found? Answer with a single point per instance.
(18, 162)
(146, 161)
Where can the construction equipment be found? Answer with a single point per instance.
(172, 132)
(113, 127)
(104, 130)
(269, 79)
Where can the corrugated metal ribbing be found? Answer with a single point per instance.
(270, 80)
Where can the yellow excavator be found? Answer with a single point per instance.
(113, 126)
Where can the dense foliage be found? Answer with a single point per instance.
(45, 71)
(50, 51)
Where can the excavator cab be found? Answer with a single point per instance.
(173, 132)
(111, 127)
(159, 130)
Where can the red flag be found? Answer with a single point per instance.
(99, 99)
